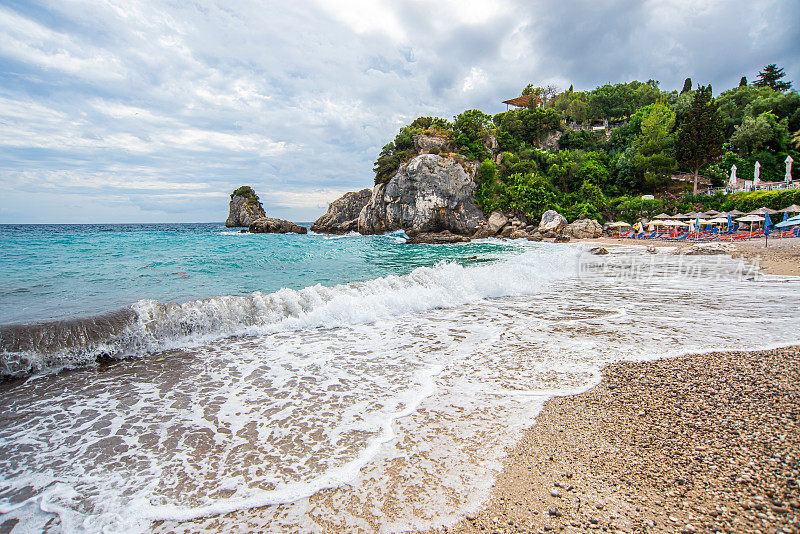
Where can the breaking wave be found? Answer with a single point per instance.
(148, 326)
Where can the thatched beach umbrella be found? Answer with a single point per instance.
(682, 216)
(762, 211)
(712, 213)
(662, 216)
(794, 208)
(736, 213)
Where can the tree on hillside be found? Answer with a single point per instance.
(743, 81)
(770, 77)
(700, 136)
(687, 85)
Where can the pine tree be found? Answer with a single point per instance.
(687, 85)
(770, 77)
(570, 88)
(700, 136)
(743, 82)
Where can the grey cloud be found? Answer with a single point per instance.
(290, 99)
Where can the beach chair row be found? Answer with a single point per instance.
(713, 235)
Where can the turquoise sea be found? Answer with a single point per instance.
(191, 378)
(62, 271)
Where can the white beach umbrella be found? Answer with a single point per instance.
(751, 218)
(662, 216)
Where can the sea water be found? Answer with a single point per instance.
(317, 383)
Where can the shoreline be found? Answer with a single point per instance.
(780, 258)
(696, 443)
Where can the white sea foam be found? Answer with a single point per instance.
(409, 403)
(161, 326)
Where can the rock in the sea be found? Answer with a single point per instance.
(437, 238)
(561, 239)
(553, 223)
(244, 208)
(584, 229)
(482, 233)
(270, 225)
(428, 194)
(496, 222)
(342, 215)
(598, 251)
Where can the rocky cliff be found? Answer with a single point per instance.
(244, 208)
(342, 215)
(430, 193)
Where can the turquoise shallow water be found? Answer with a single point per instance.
(61, 271)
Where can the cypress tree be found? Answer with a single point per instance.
(687, 85)
(700, 136)
(743, 82)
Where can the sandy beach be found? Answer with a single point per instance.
(700, 443)
(777, 256)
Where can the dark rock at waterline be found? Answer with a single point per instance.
(342, 215)
(429, 194)
(244, 208)
(437, 238)
(271, 225)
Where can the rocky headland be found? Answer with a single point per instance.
(431, 193)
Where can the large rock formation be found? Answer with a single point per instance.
(244, 208)
(270, 225)
(584, 229)
(428, 194)
(342, 215)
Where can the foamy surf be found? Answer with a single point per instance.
(392, 424)
(149, 326)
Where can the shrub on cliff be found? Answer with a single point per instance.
(247, 192)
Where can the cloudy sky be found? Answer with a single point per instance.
(153, 110)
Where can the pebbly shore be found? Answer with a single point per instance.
(700, 443)
(775, 256)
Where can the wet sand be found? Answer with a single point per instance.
(700, 443)
(779, 256)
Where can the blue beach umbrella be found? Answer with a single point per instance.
(791, 221)
(730, 222)
(785, 216)
(767, 224)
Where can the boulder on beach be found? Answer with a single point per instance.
(552, 224)
(271, 225)
(496, 222)
(244, 208)
(429, 194)
(342, 215)
(584, 229)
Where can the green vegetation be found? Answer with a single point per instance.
(603, 172)
(247, 192)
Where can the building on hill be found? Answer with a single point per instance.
(524, 101)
